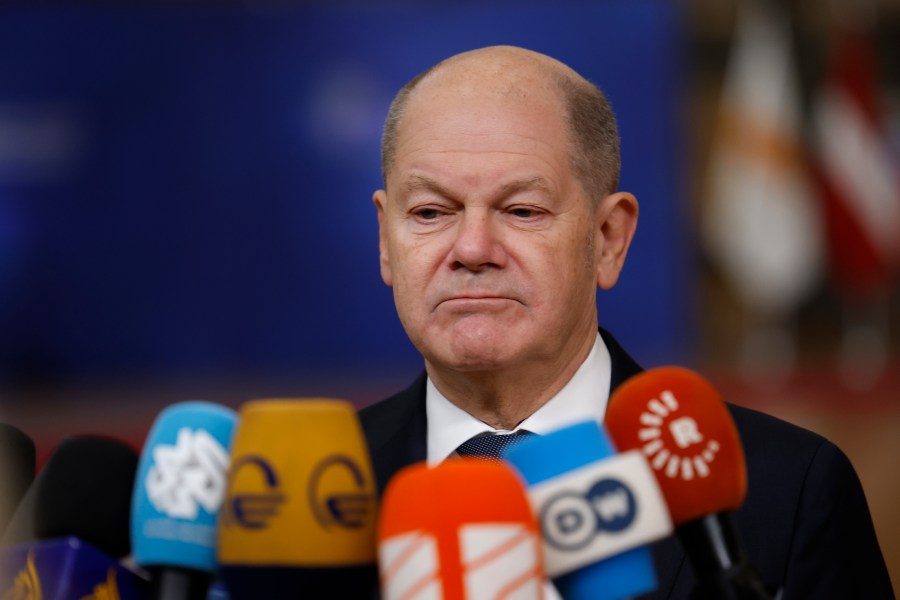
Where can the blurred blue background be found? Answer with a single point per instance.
(189, 190)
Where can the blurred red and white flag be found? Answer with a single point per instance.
(760, 223)
(860, 186)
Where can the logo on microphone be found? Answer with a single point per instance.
(188, 475)
(107, 590)
(27, 584)
(693, 452)
(337, 493)
(253, 509)
(571, 520)
(496, 560)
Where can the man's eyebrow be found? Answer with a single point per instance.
(417, 183)
(524, 185)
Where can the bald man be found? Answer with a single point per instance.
(499, 220)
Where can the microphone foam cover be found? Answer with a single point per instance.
(84, 490)
(17, 462)
(300, 489)
(180, 486)
(66, 568)
(678, 420)
(462, 529)
(300, 508)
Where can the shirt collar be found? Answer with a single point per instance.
(584, 397)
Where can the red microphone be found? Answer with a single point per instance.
(462, 530)
(680, 423)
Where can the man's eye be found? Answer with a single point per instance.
(428, 214)
(522, 212)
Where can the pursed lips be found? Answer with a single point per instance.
(473, 300)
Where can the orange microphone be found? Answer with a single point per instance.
(680, 423)
(462, 530)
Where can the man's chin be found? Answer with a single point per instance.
(475, 359)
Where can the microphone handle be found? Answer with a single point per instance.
(178, 583)
(722, 569)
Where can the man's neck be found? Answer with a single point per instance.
(503, 398)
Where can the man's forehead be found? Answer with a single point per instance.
(460, 97)
(502, 70)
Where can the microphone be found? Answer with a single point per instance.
(84, 490)
(460, 530)
(300, 507)
(17, 461)
(66, 568)
(679, 422)
(178, 491)
(597, 511)
(72, 525)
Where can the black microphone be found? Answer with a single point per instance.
(17, 460)
(83, 491)
(73, 524)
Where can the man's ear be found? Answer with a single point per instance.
(616, 221)
(380, 199)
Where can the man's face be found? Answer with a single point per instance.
(486, 236)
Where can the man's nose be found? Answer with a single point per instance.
(477, 245)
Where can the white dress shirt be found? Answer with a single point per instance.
(584, 397)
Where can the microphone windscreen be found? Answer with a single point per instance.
(17, 462)
(300, 506)
(460, 530)
(180, 486)
(66, 568)
(597, 511)
(84, 490)
(677, 419)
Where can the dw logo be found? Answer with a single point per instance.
(571, 520)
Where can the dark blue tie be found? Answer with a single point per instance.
(491, 445)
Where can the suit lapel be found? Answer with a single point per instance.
(668, 554)
(395, 431)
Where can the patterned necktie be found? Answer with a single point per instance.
(491, 445)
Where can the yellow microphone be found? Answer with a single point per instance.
(300, 506)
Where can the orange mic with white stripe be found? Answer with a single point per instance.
(462, 530)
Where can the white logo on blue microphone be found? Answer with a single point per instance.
(571, 520)
(188, 475)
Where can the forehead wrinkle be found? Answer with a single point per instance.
(418, 182)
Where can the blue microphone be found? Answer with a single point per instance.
(178, 491)
(66, 568)
(597, 510)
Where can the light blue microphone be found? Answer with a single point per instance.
(179, 489)
(598, 510)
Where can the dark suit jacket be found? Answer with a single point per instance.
(805, 524)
